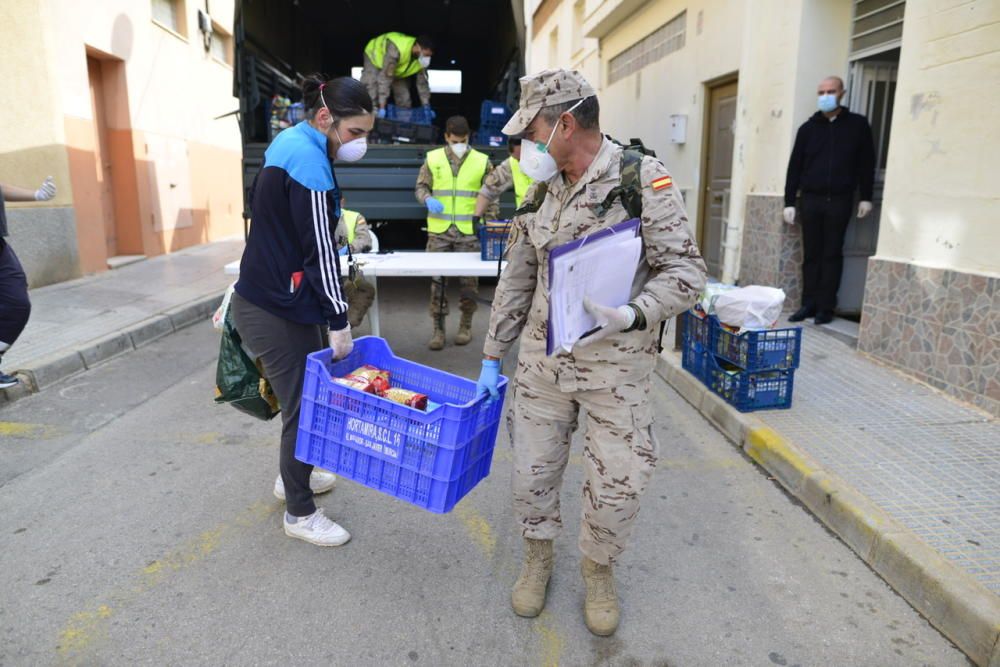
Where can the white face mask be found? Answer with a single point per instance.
(352, 151)
(425, 61)
(535, 159)
(459, 149)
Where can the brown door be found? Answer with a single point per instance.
(102, 154)
(717, 175)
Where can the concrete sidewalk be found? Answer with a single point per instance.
(908, 477)
(80, 323)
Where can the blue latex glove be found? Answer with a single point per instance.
(380, 113)
(343, 251)
(434, 205)
(430, 112)
(489, 378)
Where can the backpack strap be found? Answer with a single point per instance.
(629, 188)
(533, 205)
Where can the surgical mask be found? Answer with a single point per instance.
(827, 103)
(459, 149)
(352, 151)
(425, 61)
(535, 159)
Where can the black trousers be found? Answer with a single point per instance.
(282, 347)
(824, 223)
(15, 308)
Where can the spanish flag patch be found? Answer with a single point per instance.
(662, 182)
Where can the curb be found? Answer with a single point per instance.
(78, 359)
(961, 608)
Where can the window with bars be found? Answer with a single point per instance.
(663, 41)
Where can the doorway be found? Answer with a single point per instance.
(717, 174)
(102, 155)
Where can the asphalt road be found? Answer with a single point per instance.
(137, 526)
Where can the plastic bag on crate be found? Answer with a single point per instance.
(713, 290)
(239, 379)
(750, 308)
(220, 312)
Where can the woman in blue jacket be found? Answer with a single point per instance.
(290, 287)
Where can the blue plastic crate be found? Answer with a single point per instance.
(493, 113)
(493, 241)
(749, 390)
(693, 357)
(417, 116)
(431, 459)
(494, 139)
(758, 350)
(698, 328)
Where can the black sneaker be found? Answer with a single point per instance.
(7, 380)
(824, 317)
(802, 313)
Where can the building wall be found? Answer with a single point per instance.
(932, 300)
(176, 173)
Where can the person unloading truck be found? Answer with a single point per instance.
(354, 234)
(391, 59)
(448, 183)
(506, 176)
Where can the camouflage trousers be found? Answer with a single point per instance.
(453, 241)
(360, 295)
(400, 87)
(619, 455)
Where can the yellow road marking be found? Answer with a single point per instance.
(478, 528)
(27, 431)
(551, 638)
(85, 627)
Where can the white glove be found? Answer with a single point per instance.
(341, 342)
(610, 321)
(788, 215)
(47, 191)
(864, 208)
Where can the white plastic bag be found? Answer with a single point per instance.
(220, 312)
(750, 308)
(713, 290)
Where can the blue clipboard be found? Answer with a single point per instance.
(628, 227)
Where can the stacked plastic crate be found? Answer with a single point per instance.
(407, 126)
(492, 117)
(753, 370)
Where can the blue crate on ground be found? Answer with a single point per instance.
(417, 116)
(758, 350)
(492, 241)
(494, 139)
(749, 390)
(431, 459)
(698, 328)
(693, 357)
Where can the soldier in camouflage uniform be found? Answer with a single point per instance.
(359, 292)
(503, 179)
(450, 221)
(390, 61)
(607, 375)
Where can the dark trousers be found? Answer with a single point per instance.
(14, 304)
(824, 223)
(282, 347)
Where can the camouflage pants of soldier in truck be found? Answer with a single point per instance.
(453, 241)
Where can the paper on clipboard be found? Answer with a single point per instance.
(602, 267)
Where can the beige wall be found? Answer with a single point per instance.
(941, 205)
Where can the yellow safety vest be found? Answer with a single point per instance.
(351, 222)
(457, 193)
(407, 65)
(521, 180)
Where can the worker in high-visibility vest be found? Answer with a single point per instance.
(391, 59)
(448, 183)
(506, 176)
(353, 230)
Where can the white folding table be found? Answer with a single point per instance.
(408, 264)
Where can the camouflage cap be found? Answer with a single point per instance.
(547, 88)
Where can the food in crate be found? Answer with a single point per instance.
(372, 380)
(751, 308)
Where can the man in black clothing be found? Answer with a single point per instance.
(834, 155)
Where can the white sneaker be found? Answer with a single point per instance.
(320, 481)
(317, 529)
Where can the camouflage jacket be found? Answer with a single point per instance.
(498, 182)
(362, 235)
(670, 276)
(387, 75)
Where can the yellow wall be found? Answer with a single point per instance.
(941, 205)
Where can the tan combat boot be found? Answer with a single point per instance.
(600, 611)
(464, 334)
(528, 596)
(437, 340)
